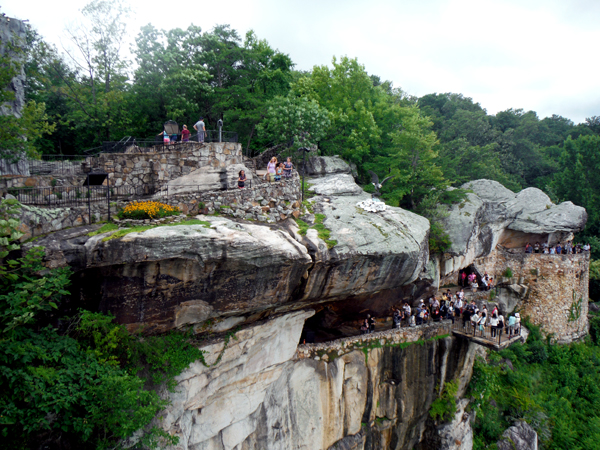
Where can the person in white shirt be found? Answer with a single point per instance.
(494, 324)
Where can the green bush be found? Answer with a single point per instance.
(439, 241)
(444, 407)
(87, 385)
(508, 273)
(554, 388)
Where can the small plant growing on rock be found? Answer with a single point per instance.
(444, 407)
(147, 210)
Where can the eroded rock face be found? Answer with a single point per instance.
(492, 214)
(260, 397)
(373, 251)
(175, 276)
(319, 166)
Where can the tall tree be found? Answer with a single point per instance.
(96, 94)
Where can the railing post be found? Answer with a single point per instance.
(108, 199)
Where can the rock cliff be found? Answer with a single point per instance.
(174, 276)
(492, 215)
(262, 391)
(261, 396)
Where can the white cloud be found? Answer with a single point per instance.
(536, 55)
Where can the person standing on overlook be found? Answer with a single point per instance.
(185, 134)
(199, 127)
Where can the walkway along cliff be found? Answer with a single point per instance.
(271, 283)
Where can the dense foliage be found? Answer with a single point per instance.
(554, 388)
(84, 381)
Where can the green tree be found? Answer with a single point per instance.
(578, 180)
(413, 162)
(96, 93)
(347, 92)
(296, 118)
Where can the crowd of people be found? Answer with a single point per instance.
(452, 307)
(567, 249)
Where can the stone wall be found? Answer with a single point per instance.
(142, 168)
(264, 202)
(388, 337)
(39, 221)
(552, 290)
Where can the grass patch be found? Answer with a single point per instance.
(322, 230)
(139, 229)
(125, 231)
(104, 229)
(303, 227)
(319, 218)
(225, 207)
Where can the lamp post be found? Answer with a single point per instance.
(220, 125)
(304, 151)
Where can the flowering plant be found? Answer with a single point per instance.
(147, 210)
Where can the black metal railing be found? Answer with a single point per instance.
(57, 165)
(66, 196)
(157, 143)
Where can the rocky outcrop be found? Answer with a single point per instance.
(519, 437)
(13, 34)
(338, 184)
(320, 166)
(176, 276)
(209, 178)
(260, 397)
(492, 215)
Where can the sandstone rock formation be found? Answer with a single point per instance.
(209, 178)
(260, 397)
(493, 215)
(337, 184)
(319, 166)
(180, 275)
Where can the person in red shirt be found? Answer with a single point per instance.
(185, 134)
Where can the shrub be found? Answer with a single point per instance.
(147, 210)
(507, 273)
(439, 241)
(444, 407)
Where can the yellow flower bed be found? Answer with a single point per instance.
(148, 210)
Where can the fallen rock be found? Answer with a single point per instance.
(318, 166)
(338, 184)
(519, 437)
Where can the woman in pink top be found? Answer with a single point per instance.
(271, 168)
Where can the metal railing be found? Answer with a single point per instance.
(57, 165)
(131, 144)
(66, 196)
(493, 335)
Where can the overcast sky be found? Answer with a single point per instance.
(536, 55)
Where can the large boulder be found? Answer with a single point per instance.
(492, 215)
(338, 184)
(208, 178)
(174, 276)
(519, 437)
(320, 166)
(372, 251)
